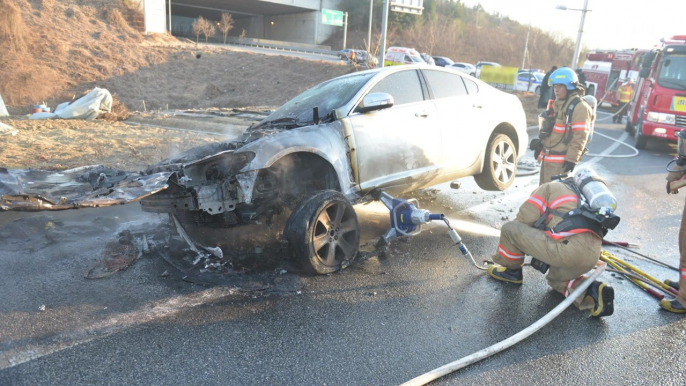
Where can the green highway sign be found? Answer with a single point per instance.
(332, 17)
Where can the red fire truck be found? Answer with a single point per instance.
(606, 70)
(658, 106)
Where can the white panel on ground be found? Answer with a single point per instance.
(155, 16)
(3, 109)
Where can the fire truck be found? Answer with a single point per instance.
(658, 106)
(606, 70)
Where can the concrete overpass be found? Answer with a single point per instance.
(296, 21)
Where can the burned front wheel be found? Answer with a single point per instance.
(500, 164)
(323, 232)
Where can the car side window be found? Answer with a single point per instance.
(472, 87)
(445, 85)
(404, 86)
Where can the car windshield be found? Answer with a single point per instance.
(673, 72)
(538, 76)
(417, 59)
(326, 96)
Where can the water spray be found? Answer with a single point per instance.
(407, 220)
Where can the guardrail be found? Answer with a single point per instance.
(272, 44)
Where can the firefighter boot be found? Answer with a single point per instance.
(603, 296)
(672, 306)
(510, 275)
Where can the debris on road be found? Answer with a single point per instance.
(7, 129)
(88, 107)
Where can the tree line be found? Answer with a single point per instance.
(465, 34)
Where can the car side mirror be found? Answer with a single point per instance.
(375, 101)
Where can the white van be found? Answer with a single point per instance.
(402, 55)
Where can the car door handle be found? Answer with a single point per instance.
(477, 106)
(422, 114)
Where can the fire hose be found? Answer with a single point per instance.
(511, 341)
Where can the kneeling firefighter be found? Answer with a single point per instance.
(676, 179)
(565, 129)
(561, 226)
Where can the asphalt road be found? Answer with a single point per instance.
(384, 320)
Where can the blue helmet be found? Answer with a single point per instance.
(566, 76)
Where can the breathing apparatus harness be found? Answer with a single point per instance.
(583, 217)
(546, 123)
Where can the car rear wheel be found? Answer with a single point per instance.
(500, 164)
(323, 232)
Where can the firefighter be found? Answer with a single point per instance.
(624, 94)
(560, 145)
(545, 89)
(569, 250)
(678, 304)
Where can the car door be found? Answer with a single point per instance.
(400, 145)
(459, 119)
(522, 81)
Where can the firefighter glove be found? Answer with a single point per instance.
(568, 167)
(536, 145)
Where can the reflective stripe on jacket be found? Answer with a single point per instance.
(556, 196)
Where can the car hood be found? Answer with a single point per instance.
(100, 186)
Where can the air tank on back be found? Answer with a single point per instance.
(597, 195)
(593, 103)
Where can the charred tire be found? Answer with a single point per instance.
(640, 140)
(323, 232)
(500, 164)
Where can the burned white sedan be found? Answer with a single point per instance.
(398, 129)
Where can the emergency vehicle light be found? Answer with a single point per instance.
(679, 37)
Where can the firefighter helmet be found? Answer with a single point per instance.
(566, 76)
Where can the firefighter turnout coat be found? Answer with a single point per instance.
(570, 253)
(568, 138)
(675, 176)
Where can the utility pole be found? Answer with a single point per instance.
(526, 45)
(345, 30)
(170, 29)
(384, 22)
(369, 35)
(577, 50)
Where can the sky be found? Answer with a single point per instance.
(611, 24)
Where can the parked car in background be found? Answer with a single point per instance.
(361, 57)
(402, 55)
(410, 127)
(479, 65)
(466, 68)
(531, 70)
(428, 59)
(443, 61)
(529, 81)
(344, 54)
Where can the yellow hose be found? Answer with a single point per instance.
(638, 271)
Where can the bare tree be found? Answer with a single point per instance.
(244, 33)
(197, 27)
(226, 24)
(434, 30)
(208, 29)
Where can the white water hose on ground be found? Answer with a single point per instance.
(511, 341)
